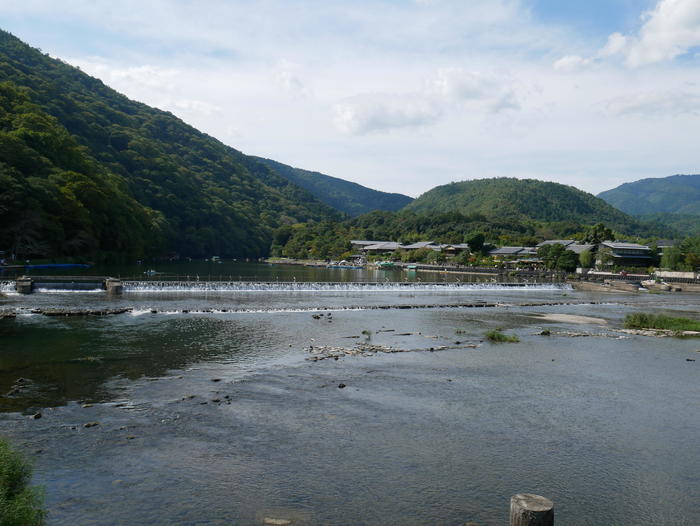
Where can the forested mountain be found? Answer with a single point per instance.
(86, 171)
(677, 194)
(523, 200)
(348, 197)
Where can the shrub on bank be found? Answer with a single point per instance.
(20, 504)
(643, 320)
(496, 336)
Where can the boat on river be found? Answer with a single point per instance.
(344, 264)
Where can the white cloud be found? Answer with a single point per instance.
(667, 105)
(145, 75)
(381, 112)
(571, 63)
(194, 105)
(669, 30)
(616, 44)
(488, 91)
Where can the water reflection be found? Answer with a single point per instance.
(64, 359)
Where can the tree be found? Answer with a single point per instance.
(691, 251)
(672, 258)
(597, 234)
(586, 259)
(475, 241)
(556, 257)
(567, 260)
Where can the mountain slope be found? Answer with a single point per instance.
(54, 198)
(196, 195)
(677, 194)
(522, 199)
(348, 197)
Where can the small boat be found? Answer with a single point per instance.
(385, 264)
(344, 264)
(411, 267)
(150, 272)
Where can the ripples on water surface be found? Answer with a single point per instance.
(606, 427)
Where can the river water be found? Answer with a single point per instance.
(213, 408)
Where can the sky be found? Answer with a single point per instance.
(403, 96)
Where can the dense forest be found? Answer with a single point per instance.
(54, 198)
(672, 202)
(348, 197)
(86, 171)
(677, 194)
(523, 200)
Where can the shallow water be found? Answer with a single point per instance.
(604, 424)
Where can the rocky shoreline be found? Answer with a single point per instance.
(72, 312)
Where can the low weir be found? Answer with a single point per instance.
(29, 284)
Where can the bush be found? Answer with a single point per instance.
(496, 336)
(20, 505)
(642, 320)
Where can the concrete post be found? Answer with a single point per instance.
(113, 286)
(24, 285)
(527, 509)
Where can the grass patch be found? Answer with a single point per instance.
(496, 336)
(20, 504)
(642, 320)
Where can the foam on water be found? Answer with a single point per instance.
(67, 291)
(238, 286)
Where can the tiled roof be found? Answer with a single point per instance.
(419, 244)
(579, 248)
(565, 242)
(618, 244)
(506, 251)
(387, 245)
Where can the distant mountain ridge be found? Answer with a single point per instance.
(348, 197)
(676, 194)
(523, 199)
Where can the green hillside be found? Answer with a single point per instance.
(523, 200)
(677, 194)
(350, 198)
(686, 225)
(55, 199)
(85, 170)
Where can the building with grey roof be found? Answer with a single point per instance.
(565, 242)
(624, 254)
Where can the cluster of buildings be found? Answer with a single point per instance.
(607, 253)
(618, 253)
(384, 247)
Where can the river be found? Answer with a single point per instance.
(212, 406)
